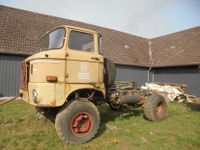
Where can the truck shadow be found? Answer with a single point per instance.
(109, 115)
(193, 106)
(106, 115)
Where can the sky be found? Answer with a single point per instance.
(146, 18)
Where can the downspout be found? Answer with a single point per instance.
(151, 59)
(149, 74)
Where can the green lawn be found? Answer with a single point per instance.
(20, 129)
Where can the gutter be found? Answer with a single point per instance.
(149, 74)
(150, 59)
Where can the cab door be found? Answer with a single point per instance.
(47, 71)
(84, 63)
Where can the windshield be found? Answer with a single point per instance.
(53, 40)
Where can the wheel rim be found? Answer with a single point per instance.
(81, 124)
(160, 109)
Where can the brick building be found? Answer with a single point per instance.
(170, 58)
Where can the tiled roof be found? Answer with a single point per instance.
(180, 48)
(21, 30)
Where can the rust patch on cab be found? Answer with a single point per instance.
(53, 103)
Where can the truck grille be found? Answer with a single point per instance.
(23, 77)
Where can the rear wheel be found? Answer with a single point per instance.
(78, 121)
(155, 109)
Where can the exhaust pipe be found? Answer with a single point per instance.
(129, 99)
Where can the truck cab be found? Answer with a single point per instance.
(69, 64)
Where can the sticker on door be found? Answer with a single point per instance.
(83, 73)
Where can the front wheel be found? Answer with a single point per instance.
(155, 109)
(78, 121)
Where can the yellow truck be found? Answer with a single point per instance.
(69, 76)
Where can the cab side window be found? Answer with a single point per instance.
(81, 41)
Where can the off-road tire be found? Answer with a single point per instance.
(66, 118)
(155, 109)
(109, 72)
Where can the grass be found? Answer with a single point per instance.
(20, 129)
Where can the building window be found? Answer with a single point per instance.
(126, 46)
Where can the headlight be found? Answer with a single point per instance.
(34, 96)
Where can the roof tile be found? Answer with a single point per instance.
(21, 30)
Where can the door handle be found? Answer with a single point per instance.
(95, 58)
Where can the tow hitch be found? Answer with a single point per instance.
(11, 99)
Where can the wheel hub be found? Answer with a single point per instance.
(160, 110)
(81, 124)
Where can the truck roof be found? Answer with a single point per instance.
(74, 27)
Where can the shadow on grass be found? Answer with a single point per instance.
(47, 113)
(193, 106)
(108, 115)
